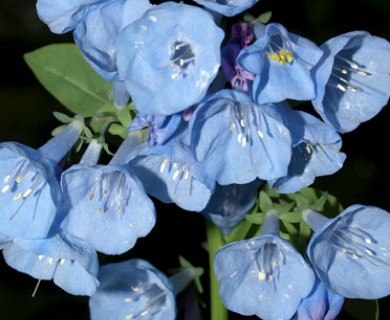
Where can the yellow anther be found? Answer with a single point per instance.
(17, 196)
(274, 56)
(282, 54)
(19, 179)
(282, 57)
(289, 57)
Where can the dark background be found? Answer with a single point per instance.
(26, 116)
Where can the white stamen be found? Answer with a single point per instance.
(163, 165)
(175, 175)
(27, 193)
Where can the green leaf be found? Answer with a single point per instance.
(64, 72)
(255, 218)
(265, 202)
(263, 18)
(117, 129)
(290, 228)
(62, 117)
(291, 217)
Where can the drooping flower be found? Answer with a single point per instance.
(135, 289)
(169, 57)
(64, 15)
(282, 63)
(241, 36)
(228, 8)
(263, 276)
(108, 207)
(229, 204)
(170, 173)
(96, 33)
(71, 264)
(352, 79)
(350, 253)
(29, 190)
(236, 141)
(316, 151)
(320, 304)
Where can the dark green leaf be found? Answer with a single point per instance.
(64, 72)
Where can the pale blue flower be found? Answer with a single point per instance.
(108, 206)
(316, 151)
(236, 140)
(228, 8)
(351, 252)
(96, 33)
(29, 190)
(134, 289)
(263, 276)
(170, 173)
(282, 63)
(169, 57)
(62, 16)
(71, 264)
(352, 79)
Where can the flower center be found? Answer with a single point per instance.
(241, 117)
(268, 260)
(145, 301)
(179, 171)
(343, 75)
(22, 181)
(182, 59)
(358, 244)
(279, 50)
(112, 193)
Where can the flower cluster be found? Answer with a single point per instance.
(213, 123)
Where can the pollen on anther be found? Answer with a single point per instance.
(5, 188)
(232, 126)
(163, 165)
(40, 257)
(175, 175)
(91, 197)
(368, 240)
(62, 261)
(6, 179)
(17, 196)
(261, 275)
(19, 179)
(134, 288)
(243, 142)
(27, 193)
(260, 134)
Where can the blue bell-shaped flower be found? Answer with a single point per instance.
(134, 289)
(352, 79)
(169, 57)
(351, 252)
(107, 204)
(29, 190)
(70, 263)
(263, 276)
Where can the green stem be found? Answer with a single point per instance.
(215, 241)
